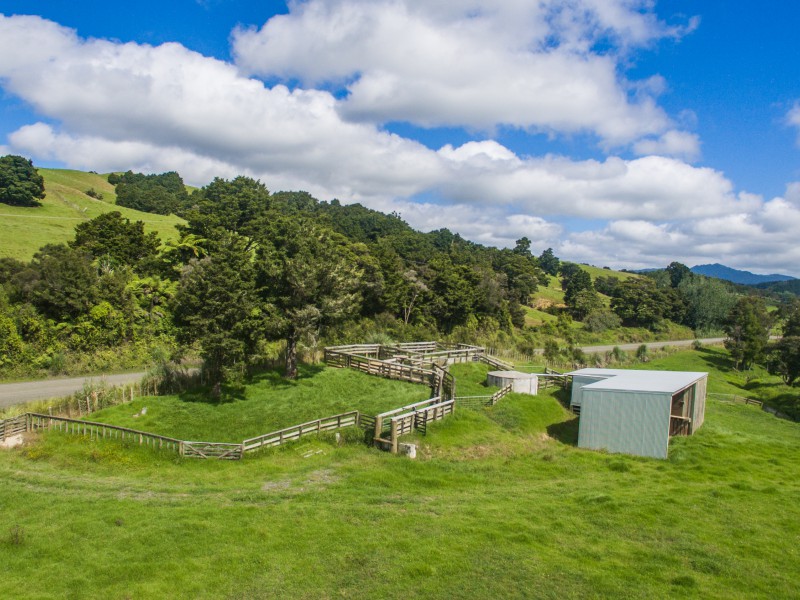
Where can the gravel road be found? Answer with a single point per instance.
(19, 393)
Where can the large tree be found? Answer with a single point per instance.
(216, 304)
(549, 262)
(747, 328)
(20, 182)
(115, 237)
(309, 274)
(61, 282)
(785, 353)
(236, 206)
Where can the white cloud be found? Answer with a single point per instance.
(762, 240)
(680, 144)
(118, 106)
(470, 63)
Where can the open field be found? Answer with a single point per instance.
(23, 230)
(499, 504)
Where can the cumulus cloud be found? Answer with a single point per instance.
(681, 144)
(113, 106)
(470, 63)
(494, 226)
(740, 240)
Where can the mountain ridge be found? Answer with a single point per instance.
(738, 276)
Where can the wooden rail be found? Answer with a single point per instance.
(211, 450)
(417, 419)
(276, 438)
(190, 449)
(735, 399)
(13, 426)
(495, 362)
(379, 419)
(101, 431)
(382, 368)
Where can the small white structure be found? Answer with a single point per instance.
(521, 383)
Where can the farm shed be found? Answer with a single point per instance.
(636, 412)
(522, 383)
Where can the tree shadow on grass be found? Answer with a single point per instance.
(205, 395)
(275, 379)
(715, 359)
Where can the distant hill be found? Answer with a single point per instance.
(736, 276)
(23, 230)
(792, 286)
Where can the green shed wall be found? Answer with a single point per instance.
(578, 381)
(627, 422)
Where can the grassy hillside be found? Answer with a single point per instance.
(23, 230)
(499, 504)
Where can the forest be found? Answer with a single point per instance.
(255, 275)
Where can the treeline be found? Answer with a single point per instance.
(254, 271)
(251, 268)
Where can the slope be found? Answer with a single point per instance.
(23, 230)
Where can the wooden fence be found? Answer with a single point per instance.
(382, 421)
(95, 430)
(417, 419)
(735, 399)
(382, 368)
(495, 362)
(276, 438)
(211, 450)
(446, 383)
(191, 449)
(13, 426)
(481, 401)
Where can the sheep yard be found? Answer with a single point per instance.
(499, 503)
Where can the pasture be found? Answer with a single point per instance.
(499, 503)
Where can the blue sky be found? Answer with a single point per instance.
(625, 133)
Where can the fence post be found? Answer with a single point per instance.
(394, 437)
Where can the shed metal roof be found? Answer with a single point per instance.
(512, 375)
(628, 380)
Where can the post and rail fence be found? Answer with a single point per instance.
(34, 422)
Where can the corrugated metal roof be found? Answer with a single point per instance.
(628, 380)
(512, 375)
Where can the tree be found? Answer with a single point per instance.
(708, 302)
(20, 182)
(61, 282)
(523, 247)
(113, 236)
(585, 303)
(784, 357)
(747, 328)
(310, 276)
(549, 262)
(236, 206)
(161, 194)
(677, 273)
(216, 304)
(639, 303)
(579, 294)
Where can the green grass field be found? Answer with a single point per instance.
(23, 230)
(269, 404)
(499, 504)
